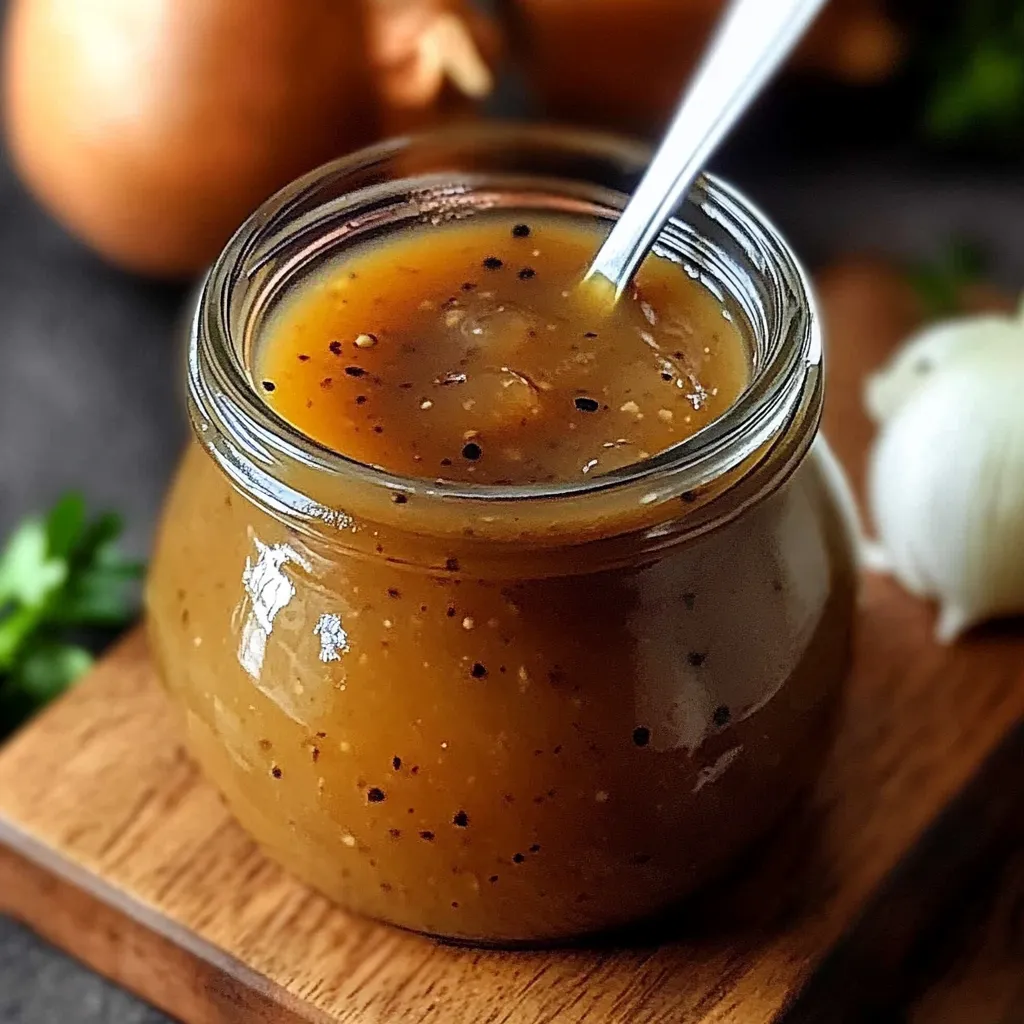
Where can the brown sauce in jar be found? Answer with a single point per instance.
(470, 353)
(472, 746)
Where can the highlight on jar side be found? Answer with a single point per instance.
(493, 616)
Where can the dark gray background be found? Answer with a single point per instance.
(90, 383)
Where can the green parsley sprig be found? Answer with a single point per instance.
(977, 71)
(63, 588)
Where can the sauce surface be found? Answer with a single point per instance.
(469, 354)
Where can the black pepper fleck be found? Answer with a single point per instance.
(375, 794)
(355, 371)
(269, 385)
(335, 347)
(493, 263)
(461, 819)
(590, 334)
(521, 231)
(360, 399)
(468, 286)
(479, 671)
(399, 499)
(303, 358)
(517, 858)
(535, 848)
(326, 383)
(316, 754)
(472, 451)
(396, 762)
(451, 564)
(586, 404)
(526, 273)
(696, 658)
(688, 496)
(276, 772)
(427, 835)
(641, 736)
(492, 879)
(395, 833)
(721, 716)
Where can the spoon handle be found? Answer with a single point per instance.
(754, 38)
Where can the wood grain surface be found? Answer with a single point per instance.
(984, 983)
(118, 851)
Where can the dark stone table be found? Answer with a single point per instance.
(91, 383)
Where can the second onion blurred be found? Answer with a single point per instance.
(622, 64)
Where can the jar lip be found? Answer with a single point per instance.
(222, 395)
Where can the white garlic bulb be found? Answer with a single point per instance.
(946, 478)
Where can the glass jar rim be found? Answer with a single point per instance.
(258, 448)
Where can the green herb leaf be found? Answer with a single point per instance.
(15, 629)
(65, 525)
(985, 94)
(49, 669)
(939, 283)
(28, 572)
(61, 580)
(97, 596)
(977, 67)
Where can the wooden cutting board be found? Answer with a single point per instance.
(113, 847)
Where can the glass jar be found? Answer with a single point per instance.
(504, 714)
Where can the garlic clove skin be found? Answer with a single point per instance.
(946, 477)
(936, 348)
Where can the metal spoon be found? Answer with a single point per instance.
(754, 38)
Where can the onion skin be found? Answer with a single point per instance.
(151, 128)
(425, 81)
